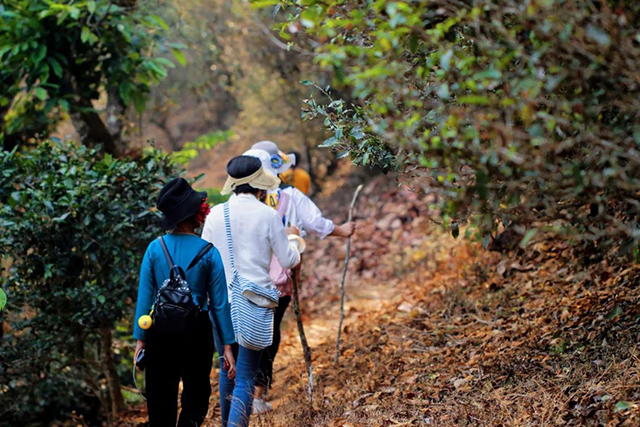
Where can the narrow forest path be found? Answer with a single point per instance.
(440, 332)
(395, 241)
(322, 329)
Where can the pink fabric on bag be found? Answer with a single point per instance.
(281, 277)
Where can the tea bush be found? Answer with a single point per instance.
(74, 227)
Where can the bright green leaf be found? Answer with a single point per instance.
(623, 405)
(527, 237)
(474, 99)
(39, 54)
(179, 55)
(165, 62)
(55, 65)
(40, 93)
(159, 21)
(87, 36)
(491, 74)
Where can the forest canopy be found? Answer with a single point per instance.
(520, 114)
(57, 57)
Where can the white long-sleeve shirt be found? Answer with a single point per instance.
(257, 233)
(304, 214)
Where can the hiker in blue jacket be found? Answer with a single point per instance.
(188, 355)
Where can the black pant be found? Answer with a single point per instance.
(187, 357)
(265, 375)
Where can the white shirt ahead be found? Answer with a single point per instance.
(304, 214)
(257, 233)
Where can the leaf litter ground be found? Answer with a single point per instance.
(440, 332)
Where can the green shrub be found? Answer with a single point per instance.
(206, 142)
(58, 56)
(514, 112)
(215, 198)
(75, 227)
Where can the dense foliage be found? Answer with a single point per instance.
(73, 230)
(517, 111)
(59, 56)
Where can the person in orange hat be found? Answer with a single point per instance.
(297, 177)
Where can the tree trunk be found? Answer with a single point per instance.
(109, 369)
(92, 377)
(307, 153)
(8, 141)
(115, 121)
(91, 128)
(333, 163)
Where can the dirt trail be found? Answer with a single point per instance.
(440, 332)
(321, 329)
(394, 237)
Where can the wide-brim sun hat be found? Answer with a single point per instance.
(280, 161)
(248, 170)
(178, 201)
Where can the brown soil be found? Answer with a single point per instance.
(440, 332)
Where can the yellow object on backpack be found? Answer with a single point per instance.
(145, 322)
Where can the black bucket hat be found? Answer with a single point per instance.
(178, 201)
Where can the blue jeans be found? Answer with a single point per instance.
(247, 365)
(236, 400)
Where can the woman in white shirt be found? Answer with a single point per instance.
(257, 234)
(294, 207)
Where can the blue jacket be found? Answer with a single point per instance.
(206, 280)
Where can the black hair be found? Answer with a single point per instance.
(246, 189)
(243, 166)
(298, 158)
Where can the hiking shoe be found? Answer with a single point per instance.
(260, 406)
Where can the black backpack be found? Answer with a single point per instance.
(175, 309)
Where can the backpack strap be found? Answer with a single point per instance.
(175, 270)
(167, 255)
(200, 255)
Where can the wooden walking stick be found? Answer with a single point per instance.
(303, 337)
(344, 274)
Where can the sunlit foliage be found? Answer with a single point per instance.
(58, 56)
(515, 112)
